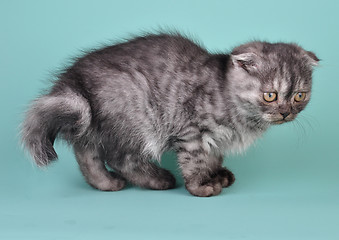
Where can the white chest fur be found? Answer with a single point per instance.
(224, 140)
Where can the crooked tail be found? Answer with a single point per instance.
(67, 115)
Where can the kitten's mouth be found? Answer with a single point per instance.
(279, 122)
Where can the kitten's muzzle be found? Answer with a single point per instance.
(284, 117)
(284, 114)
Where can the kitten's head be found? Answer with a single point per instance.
(271, 82)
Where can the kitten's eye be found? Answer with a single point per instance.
(270, 97)
(300, 97)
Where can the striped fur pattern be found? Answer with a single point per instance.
(126, 104)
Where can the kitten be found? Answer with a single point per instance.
(126, 104)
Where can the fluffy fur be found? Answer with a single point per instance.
(126, 104)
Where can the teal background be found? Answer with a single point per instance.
(287, 184)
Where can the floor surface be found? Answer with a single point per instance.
(287, 185)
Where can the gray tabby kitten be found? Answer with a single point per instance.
(126, 104)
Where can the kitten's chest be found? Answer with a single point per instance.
(226, 140)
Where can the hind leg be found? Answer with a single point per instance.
(144, 173)
(94, 170)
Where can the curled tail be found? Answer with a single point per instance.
(67, 115)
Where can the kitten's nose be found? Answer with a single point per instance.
(285, 114)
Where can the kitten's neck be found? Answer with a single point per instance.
(249, 122)
(226, 107)
(247, 119)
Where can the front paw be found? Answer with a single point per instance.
(226, 177)
(206, 189)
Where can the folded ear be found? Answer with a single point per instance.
(312, 58)
(246, 61)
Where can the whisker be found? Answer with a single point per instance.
(309, 120)
(300, 130)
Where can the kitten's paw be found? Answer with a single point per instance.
(210, 188)
(162, 182)
(226, 177)
(112, 183)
